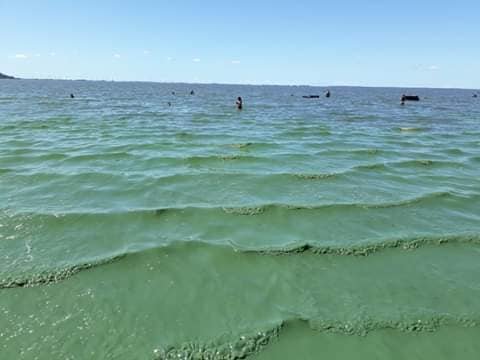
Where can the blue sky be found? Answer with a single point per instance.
(349, 42)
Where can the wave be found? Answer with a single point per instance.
(33, 155)
(28, 159)
(424, 162)
(411, 129)
(38, 124)
(100, 156)
(252, 343)
(242, 348)
(454, 151)
(7, 127)
(68, 177)
(373, 166)
(363, 250)
(372, 248)
(275, 160)
(356, 117)
(306, 130)
(242, 145)
(57, 275)
(372, 151)
(141, 181)
(261, 209)
(169, 175)
(306, 176)
(5, 170)
(199, 160)
(81, 173)
(414, 164)
(367, 152)
(252, 210)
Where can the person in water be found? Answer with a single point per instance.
(192, 92)
(72, 96)
(327, 94)
(239, 103)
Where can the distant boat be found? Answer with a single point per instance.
(410, 98)
(311, 96)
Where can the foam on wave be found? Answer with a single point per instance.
(57, 275)
(247, 345)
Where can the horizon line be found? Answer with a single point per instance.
(250, 84)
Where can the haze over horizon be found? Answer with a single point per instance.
(309, 43)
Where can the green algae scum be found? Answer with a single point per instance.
(346, 228)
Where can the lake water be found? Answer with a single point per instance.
(342, 228)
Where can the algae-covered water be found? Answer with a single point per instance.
(340, 228)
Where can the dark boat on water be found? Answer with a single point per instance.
(311, 96)
(410, 98)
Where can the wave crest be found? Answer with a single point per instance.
(363, 250)
(248, 345)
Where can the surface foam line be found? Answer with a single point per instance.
(247, 345)
(58, 275)
(369, 249)
(262, 208)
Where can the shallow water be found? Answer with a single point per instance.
(342, 227)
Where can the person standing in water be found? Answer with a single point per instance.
(239, 103)
(327, 94)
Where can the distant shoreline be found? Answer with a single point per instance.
(233, 84)
(7, 77)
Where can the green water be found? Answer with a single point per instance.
(339, 228)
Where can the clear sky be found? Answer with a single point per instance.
(316, 42)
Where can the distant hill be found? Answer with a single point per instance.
(3, 76)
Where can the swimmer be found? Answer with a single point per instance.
(169, 103)
(327, 94)
(72, 96)
(239, 103)
(192, 92)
